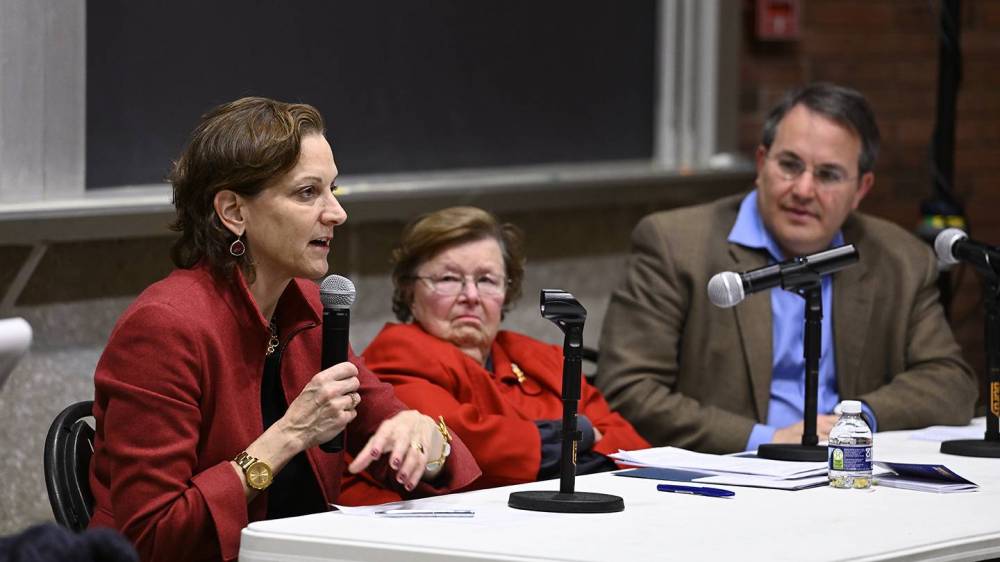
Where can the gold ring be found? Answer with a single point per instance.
(355, 399)
(416, 445)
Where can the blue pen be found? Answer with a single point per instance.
(698, 491)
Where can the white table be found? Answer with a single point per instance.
(757, 524)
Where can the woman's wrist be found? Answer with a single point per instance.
(274, 448)
(281, 441)
(441, 442)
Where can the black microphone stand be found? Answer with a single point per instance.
(563, 309)
(943, 209)
(989, 446)
(807, 284)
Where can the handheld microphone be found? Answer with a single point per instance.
(729, 288)
(953, 245)
(337, 294)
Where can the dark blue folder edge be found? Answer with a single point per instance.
(937, 473)
(671, 474)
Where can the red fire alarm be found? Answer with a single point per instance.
(777, 20)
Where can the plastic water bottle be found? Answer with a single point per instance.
(850, 449)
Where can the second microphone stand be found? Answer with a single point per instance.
(563, 309)
(989, 446)
(807, 284)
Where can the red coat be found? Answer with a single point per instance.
(493, 413)
(177, 396)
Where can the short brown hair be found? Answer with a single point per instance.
(240, 146)
(844, 106)
(434, 232)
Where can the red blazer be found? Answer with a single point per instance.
(493, 413)
(177, 396)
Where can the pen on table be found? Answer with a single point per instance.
(426, 513)
(696, 490)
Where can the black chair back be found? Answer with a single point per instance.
(69, 446)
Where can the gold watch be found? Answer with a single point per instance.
(258, 473)
(446, 450)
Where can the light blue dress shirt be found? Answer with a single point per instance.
(788, 324)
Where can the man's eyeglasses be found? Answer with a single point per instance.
(451, 284)
(826, 177)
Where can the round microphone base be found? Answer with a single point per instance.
(971, 448)
(558, 502)
(789, 452)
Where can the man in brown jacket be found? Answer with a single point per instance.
(689, 374)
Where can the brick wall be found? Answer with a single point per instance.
(888, 49)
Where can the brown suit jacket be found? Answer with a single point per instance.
(689, 374)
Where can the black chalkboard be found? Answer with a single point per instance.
(404, 85)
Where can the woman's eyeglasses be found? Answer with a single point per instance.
(451, 284)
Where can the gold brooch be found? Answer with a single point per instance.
(518, 373)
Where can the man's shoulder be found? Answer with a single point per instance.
(682, 216)
(876, 234)
(695, 219)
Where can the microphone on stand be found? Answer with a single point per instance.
(952, 246)
(337, 294)
(729, 288)
(803, 276)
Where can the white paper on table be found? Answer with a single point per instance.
(442, 508)
(756, 481)
(374, 509)
(975, 430)
(673, 457)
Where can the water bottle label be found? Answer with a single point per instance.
(851, 458)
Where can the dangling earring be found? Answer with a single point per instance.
(237, 248)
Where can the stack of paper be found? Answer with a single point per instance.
(799, 483)
(735, 471)
(672, 457)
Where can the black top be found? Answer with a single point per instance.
(294, 490)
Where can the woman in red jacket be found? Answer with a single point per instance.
(456, 271)
(209, 399)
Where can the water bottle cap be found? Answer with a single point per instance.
(850, 406)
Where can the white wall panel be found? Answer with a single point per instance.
(42, 99)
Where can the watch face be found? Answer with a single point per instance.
(259, 476)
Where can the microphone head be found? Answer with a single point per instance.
(726, 289)
(336, 291)
(944, 243)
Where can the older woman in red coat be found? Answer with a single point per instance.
(210, 401)
(456, 271)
